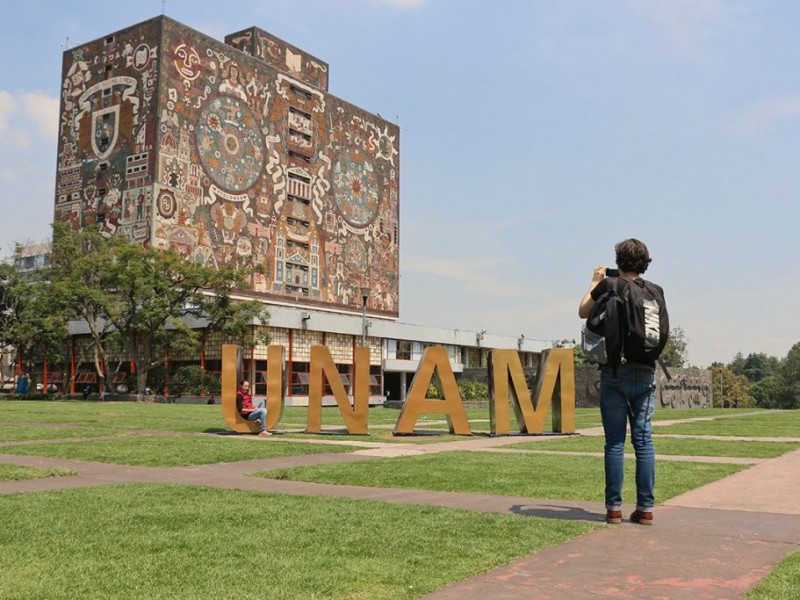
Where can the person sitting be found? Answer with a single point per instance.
(244, 404)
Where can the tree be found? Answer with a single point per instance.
(147, 301)
(737, 364)
(768, 391)
(729, 389)
(789, 374)
(29, 320)
(578, 354)
(674, 354)
(755, 367)
(83, 285)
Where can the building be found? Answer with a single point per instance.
(235, 153)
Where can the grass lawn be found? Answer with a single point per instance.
(535, 476)
(782, 584)
(150, 541)
(15, 473)
(20, 432)
(177, 451)
(670, 446)
(775, 423)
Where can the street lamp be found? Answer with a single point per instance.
(364, 298)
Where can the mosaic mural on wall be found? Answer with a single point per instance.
(281, 55)
(232, 161)
(107, 133)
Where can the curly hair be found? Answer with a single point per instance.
(632, 256)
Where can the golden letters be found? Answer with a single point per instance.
(554, 388)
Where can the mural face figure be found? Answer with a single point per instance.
(187, 62)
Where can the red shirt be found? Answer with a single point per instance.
(245, 401)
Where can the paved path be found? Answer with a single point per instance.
(715, 542)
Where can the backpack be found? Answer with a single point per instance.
(628, 323)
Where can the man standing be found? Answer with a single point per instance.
(244, 404)
(628, 383)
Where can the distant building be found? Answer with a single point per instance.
(235, 153)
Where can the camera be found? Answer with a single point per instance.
(612, 272)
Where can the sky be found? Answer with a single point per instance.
(535, 135)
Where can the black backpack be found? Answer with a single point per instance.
(633, 321)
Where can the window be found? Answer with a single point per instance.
(299, 379)
(344, 377)
(403, 350)
(303, 157)
(375, 380)
(300, 92)
(305, 201)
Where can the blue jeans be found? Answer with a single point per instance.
(261, 414)
(628, 395)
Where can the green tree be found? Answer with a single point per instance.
(29, 319)
(674, 354)
(84, 288)
(755, 367)
(737, 364)
(789, 374)
(149, 302)
(730, 389)
(768, 391)
(579, 356)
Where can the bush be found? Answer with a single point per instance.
(469, 390)
(473, 390)
(193, 380)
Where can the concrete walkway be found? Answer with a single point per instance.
(714, 542)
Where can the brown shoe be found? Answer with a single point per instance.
(265, 432)
(613, 517)
(641, 517)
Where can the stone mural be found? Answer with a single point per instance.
(688, 388)
(232, 155)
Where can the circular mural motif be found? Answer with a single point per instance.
(355, 187)
(229, 143)
(166, 205)
(355, 255)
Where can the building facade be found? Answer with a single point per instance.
(235, 153)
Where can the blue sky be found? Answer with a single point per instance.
(534, 136)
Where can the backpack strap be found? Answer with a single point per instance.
(664, 368)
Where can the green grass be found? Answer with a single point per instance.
(23, 432)
(782, 584)
(668, 446)
(174, 451)
(16, 473)
(202, 417)
(778, 423)
(148, 541)
(535, 476)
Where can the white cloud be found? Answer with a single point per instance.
(38, 117)
(683, 21)
(7, 106)
(43, 111)
(403, 3)
(772, 111)
(485, 276)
